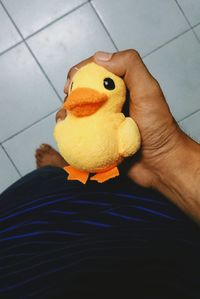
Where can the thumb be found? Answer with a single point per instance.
(129, 65)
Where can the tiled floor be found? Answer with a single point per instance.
(40, 40)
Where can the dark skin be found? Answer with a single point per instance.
(168, 161)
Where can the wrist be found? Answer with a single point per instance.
(178, 173)
(184, 155)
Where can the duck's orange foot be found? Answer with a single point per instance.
(75, 174)
(106, 175)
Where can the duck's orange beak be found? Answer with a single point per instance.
(84, 101)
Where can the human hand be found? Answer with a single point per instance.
(161, 136)
(168, 160)
(159, 131)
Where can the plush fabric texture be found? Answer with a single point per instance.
(95, 136)
(85, 101)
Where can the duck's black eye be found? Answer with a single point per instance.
(71, 86)
(109, 83)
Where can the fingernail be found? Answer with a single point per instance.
(103, 56)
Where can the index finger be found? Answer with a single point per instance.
(128, 65)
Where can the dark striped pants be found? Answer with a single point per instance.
(60, 238)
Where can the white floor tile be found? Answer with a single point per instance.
(191, 9)
(21, 148)
(8, 173)
(25, 94)
(176, 66)
(69, 41)
(143, 25)
(191, 125)
(30, 15)
(8, 34)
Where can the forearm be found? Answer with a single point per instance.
(178, 177)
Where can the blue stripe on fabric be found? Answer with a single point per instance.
(126, 195)
(126, 217)
(20, 236)
(96, 203)
(63, 212)
(99, 224)
(154, 212)
(39, 222)
(40, 233)
(138, 198)
(33, 208)
(52, 202)
(36, 200)
(57, 256)
(49, 272)
(14, 286)
(21, 225)
(12, 227)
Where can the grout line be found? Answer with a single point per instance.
(102, 23)
(196, 35)
(198, 39)
(43, 71)
(10, 48)
(88, 2)
(11, 161)
(42, 28)
(187, 20)
(56, 20)
(195, 25)
(31, 52)
(28, 127)
(166, 43)
(183, 13)
(189, 115)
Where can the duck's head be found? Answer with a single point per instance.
(95, 90)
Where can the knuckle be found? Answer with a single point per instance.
(132, 53)
(96, 53)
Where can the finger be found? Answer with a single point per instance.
(66, 86)
(73, 71)
(129, 65)
(61, 114)
(45, 147)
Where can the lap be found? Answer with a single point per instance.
(53, 229)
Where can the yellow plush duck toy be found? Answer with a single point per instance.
(95, 136)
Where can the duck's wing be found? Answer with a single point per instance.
(128, 137)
